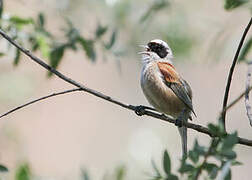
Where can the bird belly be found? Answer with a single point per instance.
(158, 94)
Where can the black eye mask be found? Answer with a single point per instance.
(158, 48)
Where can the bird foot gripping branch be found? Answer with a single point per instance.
(141, 110)
(178, 123)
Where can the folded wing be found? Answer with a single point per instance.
(179, 86)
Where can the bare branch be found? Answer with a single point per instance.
(237, 99)
(160, 116)
(231, 71)
(247, 105)
(39, 99)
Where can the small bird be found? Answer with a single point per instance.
(164, 88)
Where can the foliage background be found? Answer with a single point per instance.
(62, 135)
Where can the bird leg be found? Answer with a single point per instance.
(179, 121)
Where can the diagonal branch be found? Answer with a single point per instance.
(238, 98)
(195, 127)
(39, 99)
(59, 74)
(247, 105)
(231, 71)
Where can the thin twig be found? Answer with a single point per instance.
(203, 164)
(206, 156)
(160, 116)
(247, 105)
(231, 71)
(237, 99)
(39, 99)
(59, 74)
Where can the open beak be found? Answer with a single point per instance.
(143, 46)
(144, 52)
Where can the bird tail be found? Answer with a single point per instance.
(183, 134)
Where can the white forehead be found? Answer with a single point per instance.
(159, 41)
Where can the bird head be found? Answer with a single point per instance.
(157, 50)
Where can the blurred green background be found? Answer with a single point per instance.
(61, 136)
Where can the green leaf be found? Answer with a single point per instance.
(194, 156)
(167, 163)
(232, 4)
(228, 176)
(112, 40)
(229, 141)
(245, 50)
(3, 168)
(100, 30)
(21, 21)
(43, 45)
(186, 168)
(227, 144)
(88, 47)
(41, 20)
(2, 54)
(120, 173)
(72, 34)
(213, 128)
(236, 163)
(172, 177)
(200, 150)
(216, 129)
(212, 170)
(33, 40)
(23, 173)
(17, 57)
(56, 56)
(35, 46)
(229, 154)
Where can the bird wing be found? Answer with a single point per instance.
(179, 86)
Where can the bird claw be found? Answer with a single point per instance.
(140, 110)
(178, 122)
(163, 115)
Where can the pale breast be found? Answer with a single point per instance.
(158, 94)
